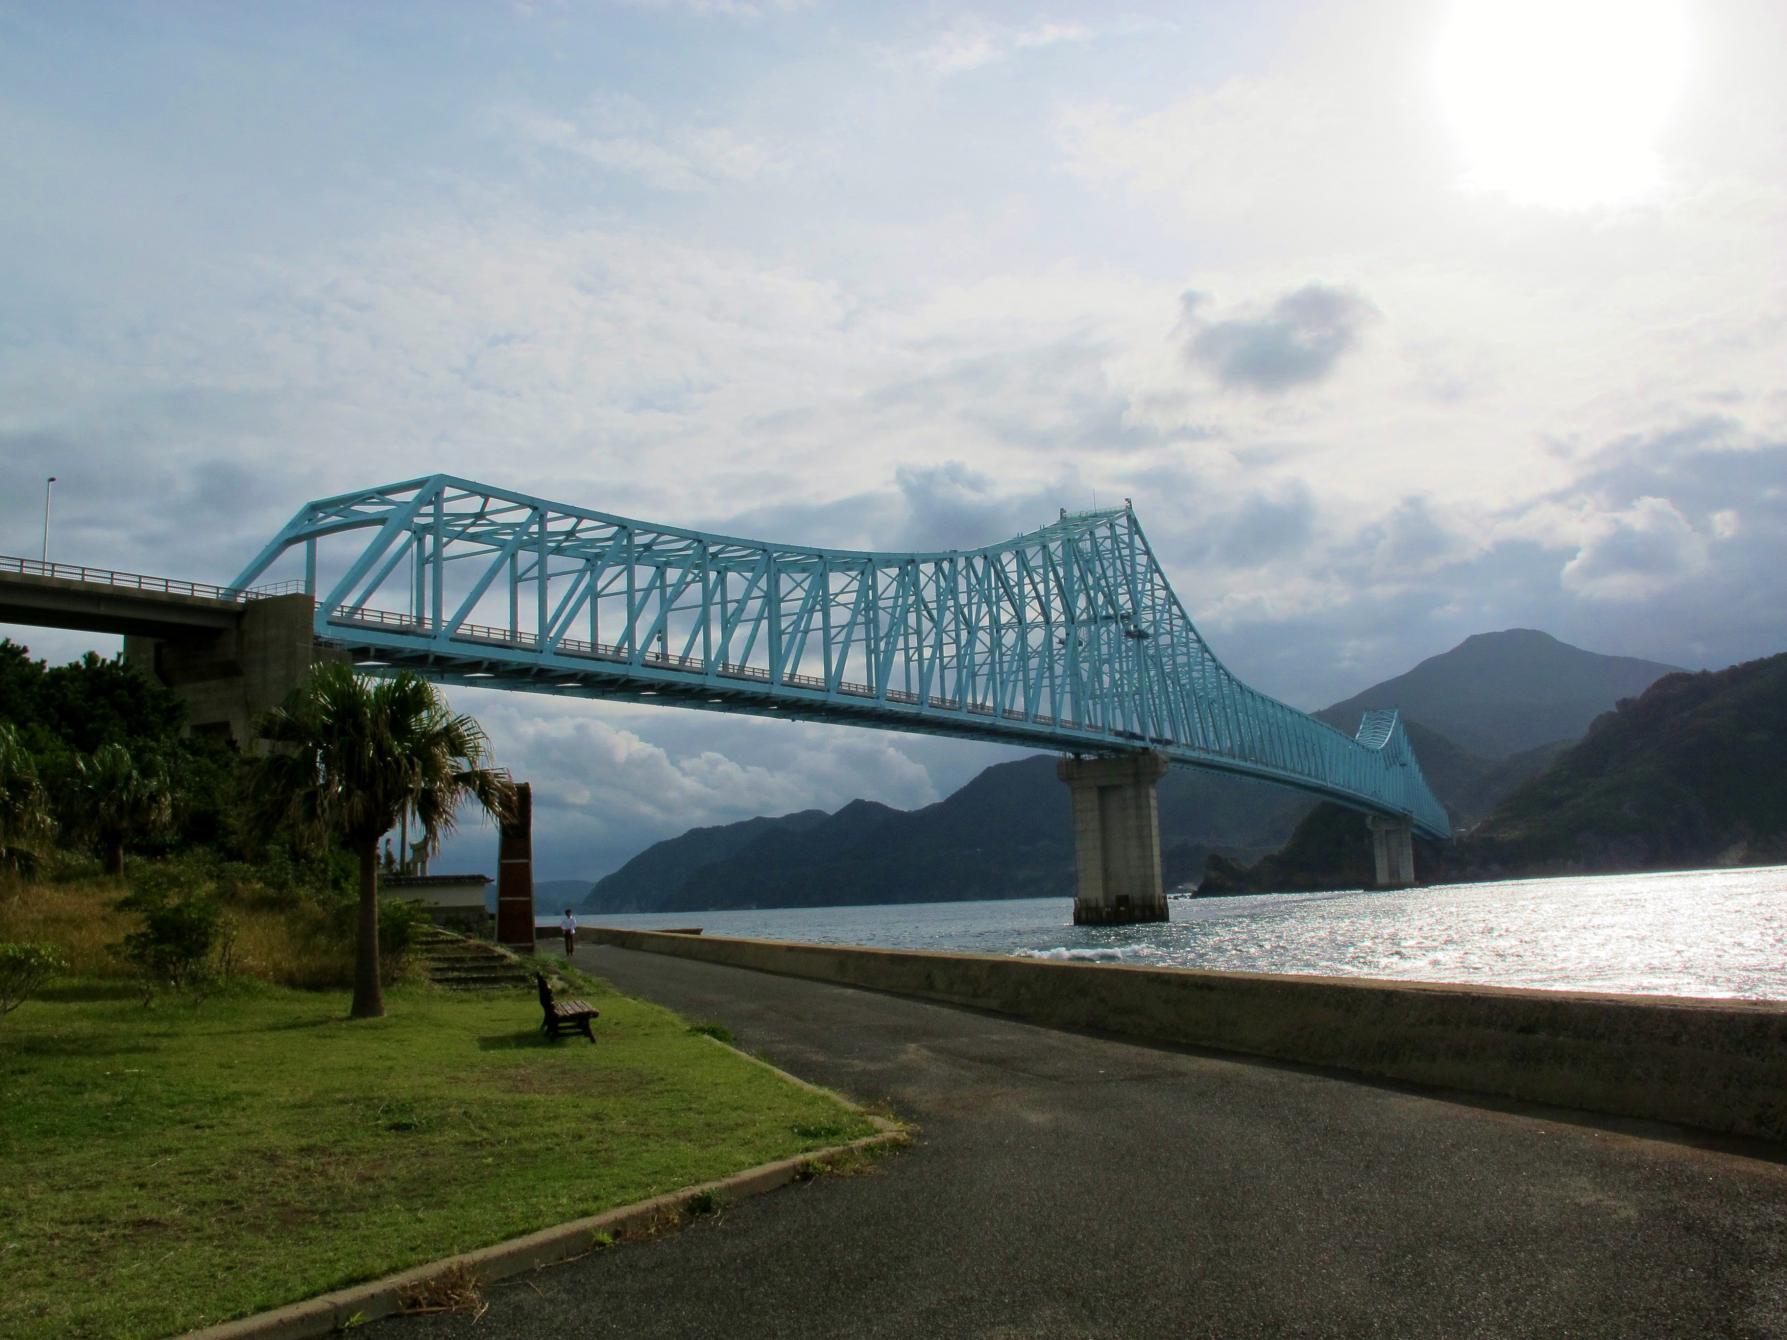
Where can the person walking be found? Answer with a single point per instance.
(569, 927)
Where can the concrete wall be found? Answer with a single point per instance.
(1718, 1065)
(229, 677)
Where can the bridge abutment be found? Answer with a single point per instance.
(228, 676)
(1393, 851)
(1116, 838)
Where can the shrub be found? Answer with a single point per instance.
(397, 922)
(24, 805)
(295, 939)
(119, 796)
(177, 946)
(20, 861)
(24, 968)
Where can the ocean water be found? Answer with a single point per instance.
(1695, 933)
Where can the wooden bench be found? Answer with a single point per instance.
(564, 1016)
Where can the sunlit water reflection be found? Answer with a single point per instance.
(1698, 933)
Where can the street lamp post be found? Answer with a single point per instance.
(48, 485)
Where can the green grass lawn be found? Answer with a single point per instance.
(166, 1168)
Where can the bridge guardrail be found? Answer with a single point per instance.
(138, 581)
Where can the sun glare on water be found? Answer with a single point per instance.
(1561, 102)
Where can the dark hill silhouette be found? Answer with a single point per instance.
(1691, 773)
(1497, 694)
(665, 865)
(1007, 832)
(1469, 786)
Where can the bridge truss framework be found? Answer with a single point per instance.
(1067, 638)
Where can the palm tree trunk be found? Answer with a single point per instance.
(369, 1000)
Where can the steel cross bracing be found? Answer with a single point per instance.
(1068, 638)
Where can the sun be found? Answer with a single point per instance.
(1560, 102)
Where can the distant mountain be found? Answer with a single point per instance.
(1468, 786)
(1499, 694)
(552, 896)
(638, 885)
(1006, 834)
(1691, 773)
(1475, 797)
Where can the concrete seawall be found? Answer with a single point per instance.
(1718, 1065)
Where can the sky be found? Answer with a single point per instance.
(1397, 321)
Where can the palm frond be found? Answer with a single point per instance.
(351, 754)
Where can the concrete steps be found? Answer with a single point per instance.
(458, 964)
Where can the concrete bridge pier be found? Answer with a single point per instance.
(1393, 850)
(228, 676)
(1116, 838)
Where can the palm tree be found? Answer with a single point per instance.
(24, 809)
(119, 796)
(349, 754)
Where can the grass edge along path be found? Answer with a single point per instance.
(465, 1276)
(262, 1149)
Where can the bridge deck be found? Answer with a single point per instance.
(81, 598)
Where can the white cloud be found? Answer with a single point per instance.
(1636, 553)
(970, 44)
(603, 791)
(622, 135)
(734, 9)
(1296, 340)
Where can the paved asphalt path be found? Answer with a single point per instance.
(1072, 1185)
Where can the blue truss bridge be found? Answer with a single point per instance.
(1068, 638)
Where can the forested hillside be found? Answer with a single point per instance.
(1692, 772)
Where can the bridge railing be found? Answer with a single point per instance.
(488, 636)
(138, 581)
